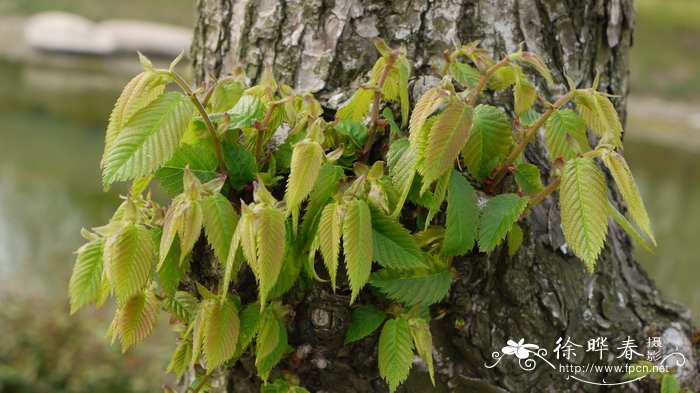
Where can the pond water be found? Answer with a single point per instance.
(51, 140)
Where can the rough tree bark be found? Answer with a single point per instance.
(541, 294)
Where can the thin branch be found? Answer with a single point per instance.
(528, 136)
(375, 104)
(207, 120)
(539, 197)
(485, 78)
(262, 126)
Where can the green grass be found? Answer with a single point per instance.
(665, 59)
(179, 12)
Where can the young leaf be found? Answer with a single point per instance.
(447, 136)
(624, 224)
(669, 384)
(306, 163)
(420, 286)
(357, 244)
(271, 244)
(462, 223)
(497, 218)
(365, 320)
(329, 233)
(402, 175)
(420, 330)
(489, 138)
(149, 139)
(241, 165)
(182, 304)
(225, 96)
(198, 329)
(247, 110)
(137, 318)
(395, 352)
(600, 115)
(181, 357)
(528, 178)
(583, 200)
(464, 74)
(524, 93)
(515, 239)
(392, 244)
(221, 333)
(140, 91)
(201, 161)
(191, 227)
(171, 271)
(268, 334)
(87, 279)
(128, 258)
(563, 123)
(250, 323)
(628, 188)
(426, 105)
(219, 221)
(266, 364)
(357, 106)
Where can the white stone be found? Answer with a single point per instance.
(147, 37)
(64, 32)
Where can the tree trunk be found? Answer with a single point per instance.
(542, 293)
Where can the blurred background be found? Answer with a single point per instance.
(53, 112)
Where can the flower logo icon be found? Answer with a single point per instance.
(522, 351)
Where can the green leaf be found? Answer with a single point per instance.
(355, 130)
(402, 160)
(515, 239)
(219, 221)
(170, 272)
(420, 330)
(266, 364)
(247, 110)
(181, 356)
(365, 320)
(149, 139)
(624, 224)
(201, 161)
(191, 228)
(439, 196)
(268, 334)
(497, 218)
(489, 138)
(357, 244)
(392, 244)
(642, 368)
(306, 163)
(128, 255)
(395, 352)
(628, 188)
(357, 106)
(137, 318)
(327, 184)
(563, 128)
(669, 384)
(271, 244)
(225, 96)
(446, 138)
(241, 165)
(140, 91)
(198, 329)
(183, 305)
(525, 94)
(583, 200)
(462, 223)
(330, 230)
(421, 286)
(600, 115)
(464, 74)
(426, 105)
(250, 323)
(528, 178)
(87, 279)
(281, 386)
(536, 62)
(221, 334)
(403, 65)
